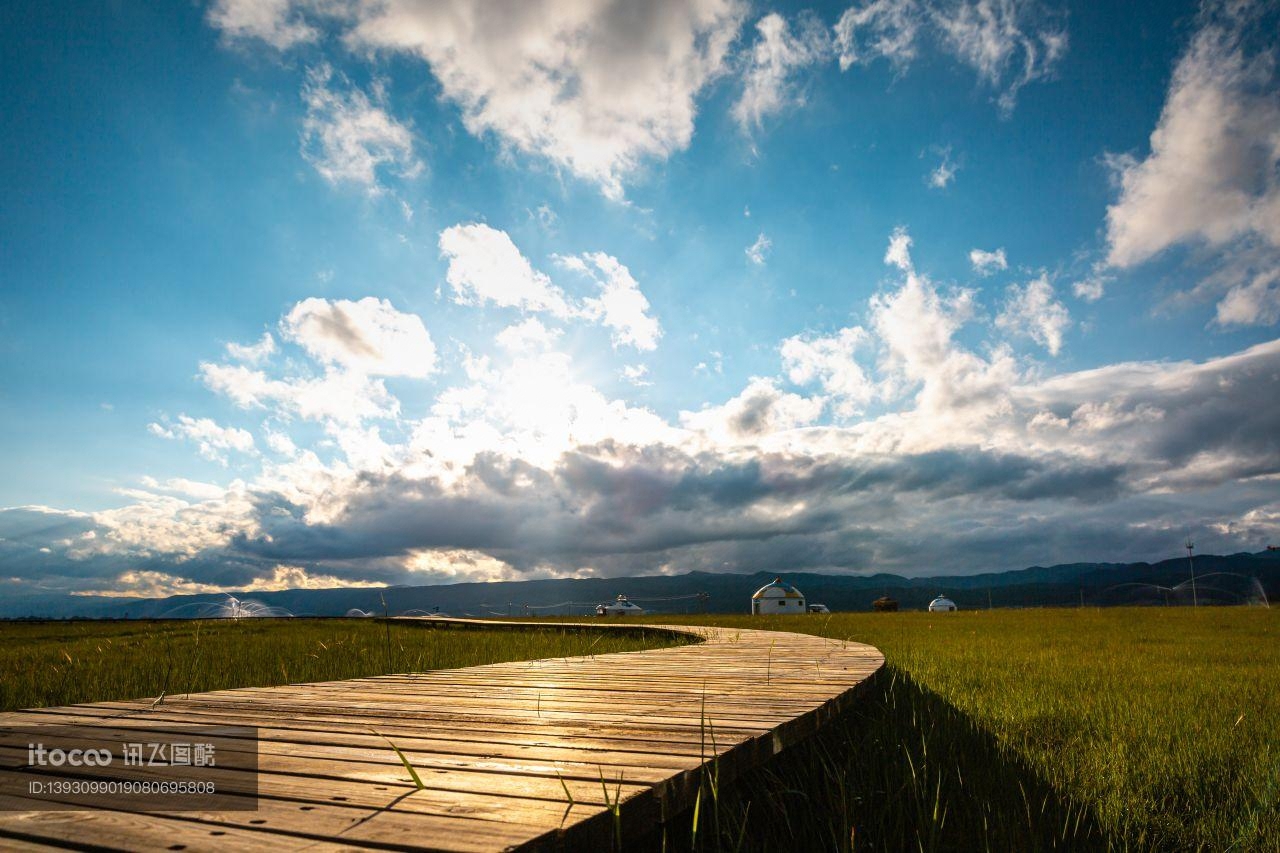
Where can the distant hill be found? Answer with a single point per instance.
(1232, 579)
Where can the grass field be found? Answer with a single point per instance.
(1141, 729)
(1124, 729)
(61, 663)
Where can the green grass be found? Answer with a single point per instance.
(1142, 729)
(1129, 729)
(63, 663)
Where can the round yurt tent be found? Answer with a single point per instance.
(941, 604)
(777, 597)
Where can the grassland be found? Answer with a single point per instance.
(1140, 729)
(61, 663)
(1122, 729)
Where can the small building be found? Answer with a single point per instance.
(885, 604)
(621, 607)
(941, 604)
(777, 597)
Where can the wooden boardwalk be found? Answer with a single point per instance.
(496, 747)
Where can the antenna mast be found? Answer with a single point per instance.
(1190, 546)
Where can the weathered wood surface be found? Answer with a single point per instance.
(496, 746)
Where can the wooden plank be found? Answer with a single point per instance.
(307, 728)
(284, 824)
(362, 745)
(495, 746)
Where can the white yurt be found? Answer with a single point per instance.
(621, 607)
(941, 604)
(777, 597)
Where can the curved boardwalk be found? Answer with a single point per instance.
(496, 747)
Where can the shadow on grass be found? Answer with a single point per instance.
(900, 770)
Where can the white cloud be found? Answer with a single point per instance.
(363, 447)
(1092, 287)
(533, 407)
(523, 466)
(350, 137)
(602, 87)
(621, 306)
(1212, 176)
(882, 29)
(1252, 302)
(461, 565)
(272, 21)
(545, 216)
(899, 251)
(281, 443)
(758, 252)
(954, 389)
(1260, 524)
(340, 396)
(762, 408)
(714, 365)
(1034, 311)
(142, 583)
(598, 87)
(636, 374)
(1008, 43)
(213, 440)
(767, 87)
(368, 336)
(831, 362)
(527, 336)
(253, 353)
(485, 266)
(185, 487)
(942, 176)
(915, 325)
(1212, 171)
(297, 577)
(985, 263)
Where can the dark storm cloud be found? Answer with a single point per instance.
(1201, 424)
(613, 501)
(34, 527)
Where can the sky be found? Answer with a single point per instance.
(308, 293)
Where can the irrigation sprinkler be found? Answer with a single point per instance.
(229, 608)
(1251, 592)
(1195, 600)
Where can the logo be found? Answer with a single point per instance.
(39, 756)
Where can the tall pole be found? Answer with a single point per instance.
(1195, 599)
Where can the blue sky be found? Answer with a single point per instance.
(909, 285)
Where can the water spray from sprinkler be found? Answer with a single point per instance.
(234, 608)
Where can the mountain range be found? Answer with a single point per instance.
(1231, 579)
